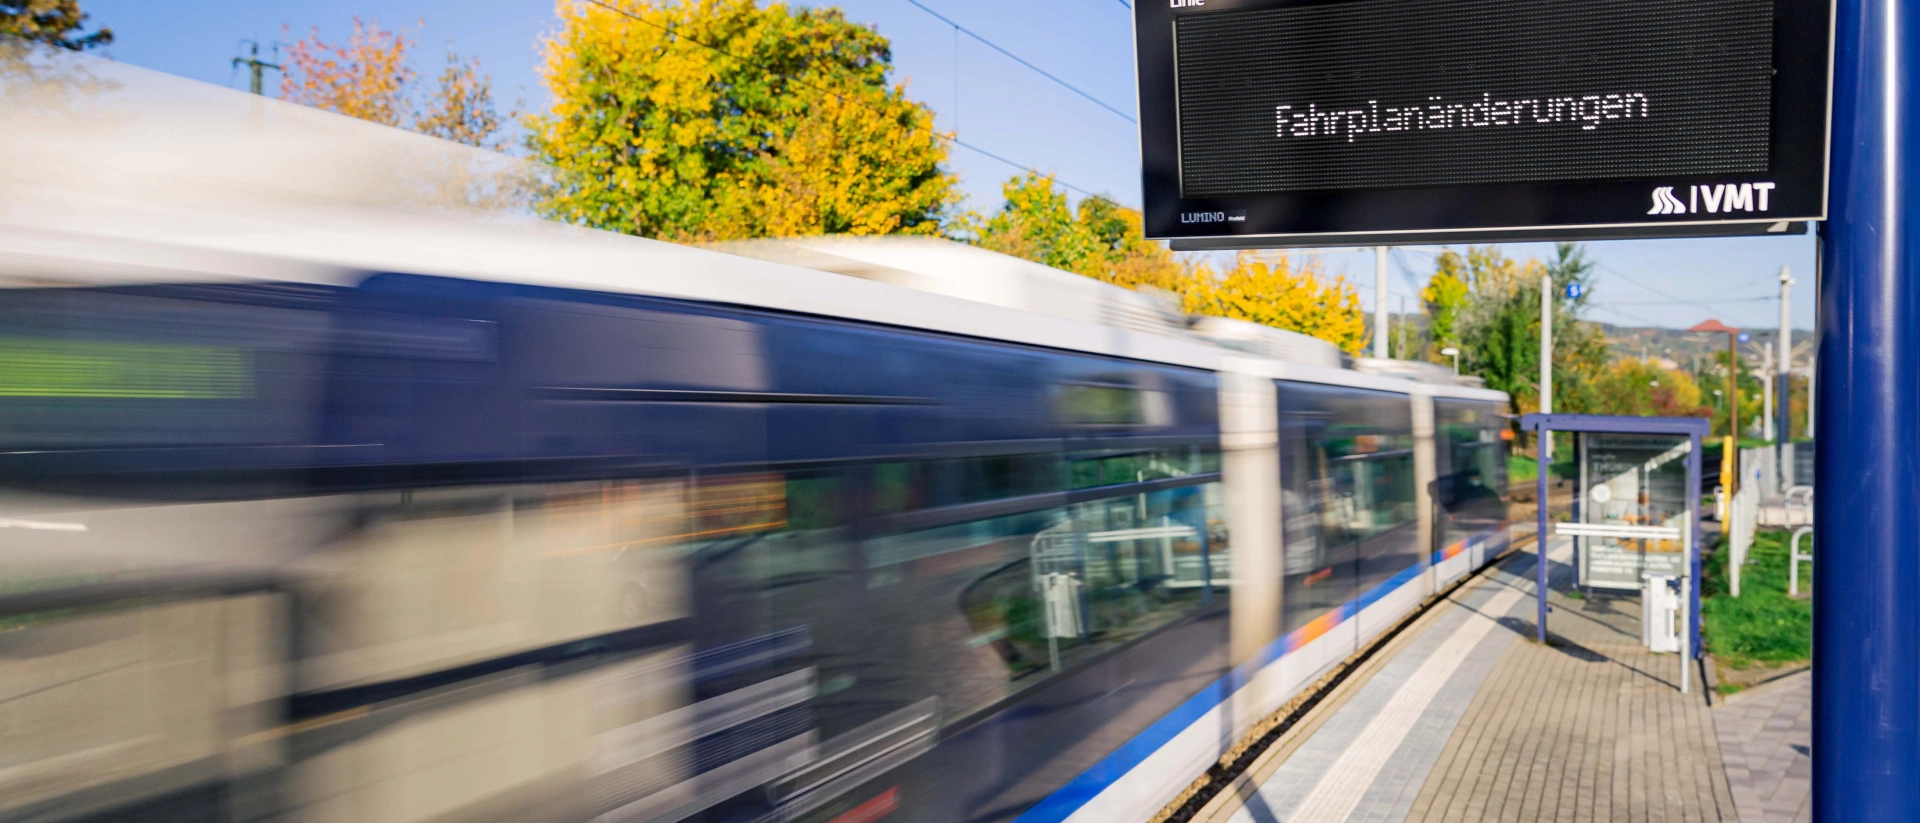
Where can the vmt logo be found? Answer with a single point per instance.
(1719, 199)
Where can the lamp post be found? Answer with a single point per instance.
(1455, 354)
(1730, 459)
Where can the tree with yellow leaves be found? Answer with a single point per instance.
(1278, 292)
(710, 120)
(1100, 238)
(1103, 240)
(1444, 296)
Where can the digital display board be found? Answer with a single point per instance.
(1427, 118)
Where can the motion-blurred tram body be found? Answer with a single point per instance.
(501, 547)
(322, 516)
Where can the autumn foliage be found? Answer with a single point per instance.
(364, 77)
(51, 22)
(371, 77)
(1104, 240)
(1278, 291)
(712, 120)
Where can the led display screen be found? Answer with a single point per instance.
(1331, 116)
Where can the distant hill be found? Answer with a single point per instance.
(1683, 347)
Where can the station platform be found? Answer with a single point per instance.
(1464, 717)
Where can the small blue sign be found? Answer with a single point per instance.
(1743, 337)
(1574, 290)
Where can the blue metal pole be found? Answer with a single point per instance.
(1540, 537)
(1866, 623)
(1694, 458)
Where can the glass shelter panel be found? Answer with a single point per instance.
(1635, 480)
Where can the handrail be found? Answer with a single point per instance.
(1802, 493)
(1794, 557)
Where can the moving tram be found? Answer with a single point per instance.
(371, 514)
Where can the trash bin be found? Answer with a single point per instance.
(1659, 613)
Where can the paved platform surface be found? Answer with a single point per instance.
(1764, 734)
(1464, 718)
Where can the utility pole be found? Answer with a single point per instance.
(1783, 371)
(1380, 302)
(256, 66)
(1733, 392)
(1546, 368)
(1785, 360)
(1766, 394)
(1402, 342)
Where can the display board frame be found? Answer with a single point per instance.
(1589, 208)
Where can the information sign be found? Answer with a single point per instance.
(1637, 485)
(1294, 120)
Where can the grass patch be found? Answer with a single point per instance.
(1522, 468)
(1763, 625)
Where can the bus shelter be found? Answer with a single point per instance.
(1635, 519)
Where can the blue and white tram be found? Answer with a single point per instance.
(349, 515)
(652, 558)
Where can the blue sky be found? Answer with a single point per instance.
(990, 101)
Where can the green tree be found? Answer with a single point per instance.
(1098, 238)
(722, 119)
(1642, 388)
(1499, 327)
(52, 22)
(1444, 297)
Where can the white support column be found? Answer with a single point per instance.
(1546, 359)
(1380, 302)
(1767, 371)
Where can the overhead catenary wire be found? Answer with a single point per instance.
(966, 145)
(1023, 61)
(835, 93)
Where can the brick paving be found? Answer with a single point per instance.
(1765, 733)
(1590, 727)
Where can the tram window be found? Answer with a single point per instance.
(977, 611)
(1347, 493)
(1110, 468)
(909, 485)
(1471, 459)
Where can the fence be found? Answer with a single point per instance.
(1778, 471)
(1742, 520)
(1767, 498)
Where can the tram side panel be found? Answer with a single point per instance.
(1471, 502)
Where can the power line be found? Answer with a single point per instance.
(836, 94)
(1694, 303)
(1767, 299)
(966, 145)
(1124, 3)
(1018, 59)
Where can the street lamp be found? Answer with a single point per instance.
(1455, 354)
